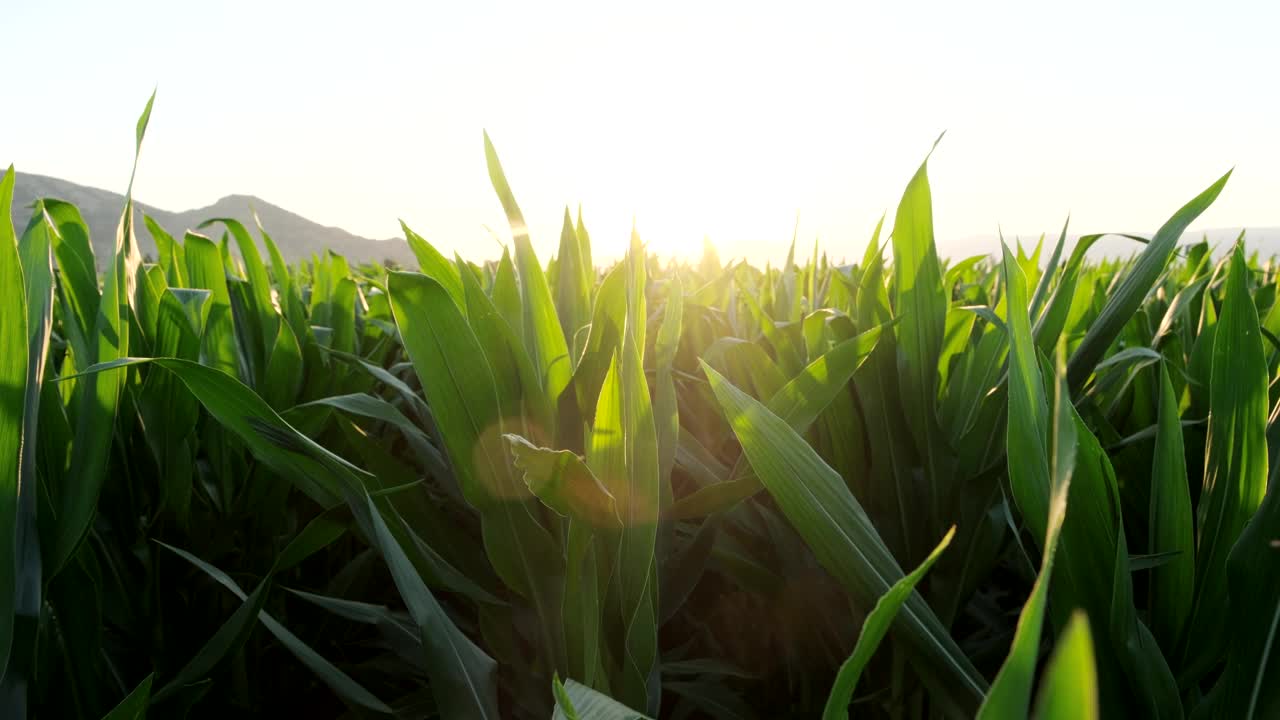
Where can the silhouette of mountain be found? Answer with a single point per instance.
(297, 237)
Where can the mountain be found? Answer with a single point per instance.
(297, 237)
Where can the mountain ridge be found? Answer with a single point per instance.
(296, 236)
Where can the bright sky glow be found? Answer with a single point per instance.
(719, 119)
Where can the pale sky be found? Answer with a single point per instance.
(717, 119)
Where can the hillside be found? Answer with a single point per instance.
(296, 236)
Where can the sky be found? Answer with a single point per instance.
(690, 119)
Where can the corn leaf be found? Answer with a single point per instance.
(921, 304)
(873, 631)
(134, 705)
(1136, 283)
(818, 504)
(575, 701)
(798, 403)
(1235, 473)
(13, 374)
(1170, 527)
(542, 332)
(623, 454)
(1045, 477)
(563, 482)
(1070, 688)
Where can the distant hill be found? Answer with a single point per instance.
(297, 237)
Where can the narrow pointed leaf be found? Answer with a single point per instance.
(817, 502)
(873, 631)
(1070, 687)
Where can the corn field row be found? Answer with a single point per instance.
(904, 487)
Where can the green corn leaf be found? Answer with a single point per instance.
(1042, 287)
(920, 302)
(1070, 687)
(285, 366)
(13, 374)
(1178, 309)
(386, 377)
(342, 317)
(798, 403)
(506, 294)
(356, 611)
(960, 325)
(435, 265)
(582, 603)
(37, 269)
(1092, 537)
(1137, 282)
(603, 339)
(748, 364)
(1053, 320)
(134, 705)
(229, 638)
(235, 631)
(1235, 473)
(1028, 426)
(461, 673)
(78, 292)
(873, 631)
(290, 301)
(960, 270)
(240, 410)
(172, 258)
(1251, 680)
(457, 383)
(515, 377)
(788, 353)
(459, 387)
(623, 454)
(1170, 527)
(575, 701)
(665, 401)
(168, 409)
(205, 270)
(264, 316)
(818, 504)
(1045, 477)
(146, 307)
(99, 394)
(564, 483)
(573, 283)
(584, 242)
(446, 556)
(369, 406)
(542, 333)
(312, 539)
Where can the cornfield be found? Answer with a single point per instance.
(904, 487)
